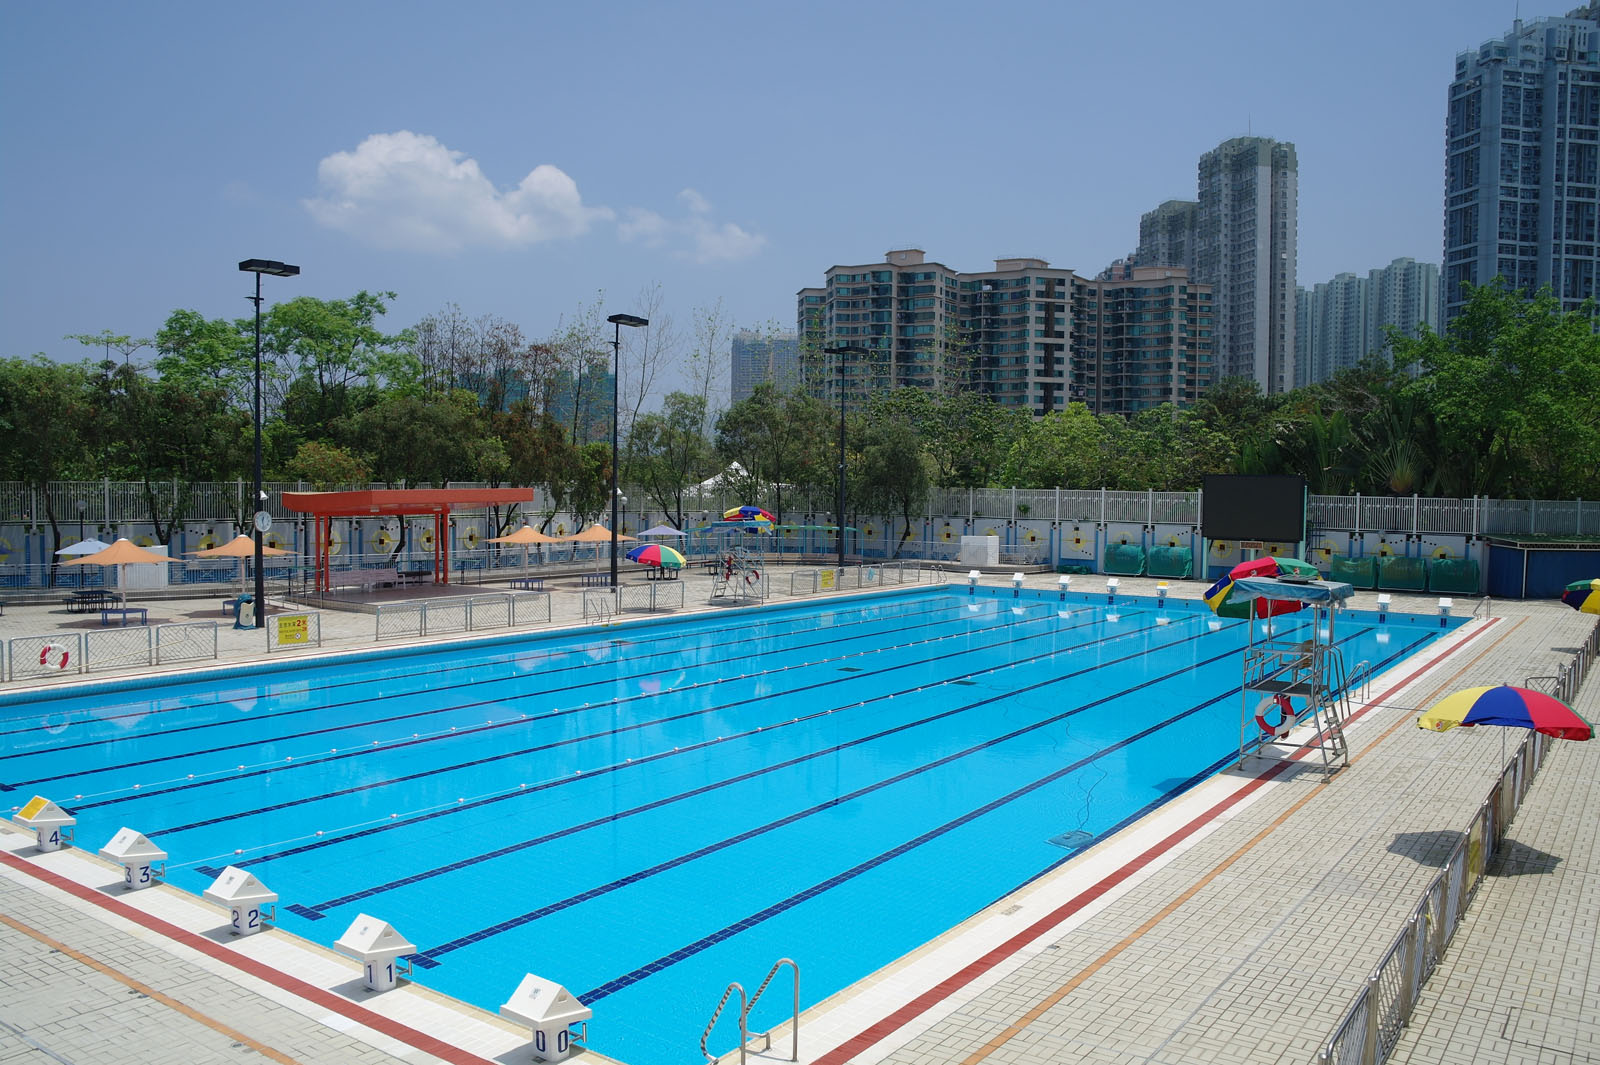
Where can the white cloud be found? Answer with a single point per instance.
(406, 190)
(696, 236)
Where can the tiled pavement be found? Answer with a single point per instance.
(1234, 927)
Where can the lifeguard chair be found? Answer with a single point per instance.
(1289, 680)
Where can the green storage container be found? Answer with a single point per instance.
(1124, 560)
(1458, 575)
(1357, 572)
(1171, 562)
(1402, 574)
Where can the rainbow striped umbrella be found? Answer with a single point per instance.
(657, 555)
(1583, 596)
(1219, 597)
(1509, 706)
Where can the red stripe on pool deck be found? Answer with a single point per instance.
(321, 997)
(887, 1026)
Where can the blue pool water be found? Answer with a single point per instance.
(647, 812)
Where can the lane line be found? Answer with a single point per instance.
(886, 1026)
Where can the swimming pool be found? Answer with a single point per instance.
(647, 812)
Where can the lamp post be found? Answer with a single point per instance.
(840, 353)
(617, 320)
(82, 508)
(262, 520)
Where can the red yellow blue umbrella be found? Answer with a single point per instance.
(1583, 596)
(657, 555)
(1219, 597)
(1509, 706)
(747, 514)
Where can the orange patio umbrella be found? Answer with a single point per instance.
(120, 554)
(598, 534)
(240, 547)
(525, 536)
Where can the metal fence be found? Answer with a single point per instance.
(435, 617)
(107, 648)
(650, 596)
(294, 631)
(1372, 1026)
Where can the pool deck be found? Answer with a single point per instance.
(1235, 924)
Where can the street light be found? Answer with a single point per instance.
(841, 352)
(263, 520)
(635, 322)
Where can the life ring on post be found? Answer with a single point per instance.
(52, 654)
(1285, 709)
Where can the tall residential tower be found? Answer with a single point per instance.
(1522, 161)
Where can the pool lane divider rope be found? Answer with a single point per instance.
(875, 1033)
(490, 661)
(641, 761)
(432, 954)
(729, 931)
(256, 721)
(308, 992)
(315, 912)
(740, 704)
(378, 746)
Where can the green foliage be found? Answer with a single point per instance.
(327, 467)
(669, 452)
(781, 439)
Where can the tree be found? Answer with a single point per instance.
(328, 358)
(1064, 449)
(1513, 389)
(780, 440)
(124, 345)
(892, 474)
(327, 467)
(708, 359)
(196, 352)
(43, 411)
(669, 454)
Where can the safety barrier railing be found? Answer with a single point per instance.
(530, 607)
(650, 596)
(471, 614)
(185, 641)
(804, 582)
(294, 631)
(1371, 1026)
(39, 656)
(398, 620)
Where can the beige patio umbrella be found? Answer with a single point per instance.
(120, 554)
(598, 534)
(240, 547)
(525, 536)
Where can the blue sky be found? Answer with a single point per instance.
(518, 159)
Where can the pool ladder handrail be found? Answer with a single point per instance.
(746, 1005)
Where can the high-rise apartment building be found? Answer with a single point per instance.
(1246, 236)
(1167, 235)
(762, 358)
(1241, 238)
(1522, 161)
(1341, 322)
(1025, 334)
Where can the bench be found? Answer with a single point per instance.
(125, 611)
(87, 602)
(365, 579)
(591, 580)
(528, 584)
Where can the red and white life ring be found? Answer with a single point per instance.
(54, 655)
(1285, 709)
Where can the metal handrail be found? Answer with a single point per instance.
(794, 1028)
(1485, 605)
(744, 1009)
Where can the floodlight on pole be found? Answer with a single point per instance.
(633, 321)
(840, 352)
(262, 520)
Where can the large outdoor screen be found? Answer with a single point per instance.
(1254, 508)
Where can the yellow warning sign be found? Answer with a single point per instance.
(294, 628)
(34, 808)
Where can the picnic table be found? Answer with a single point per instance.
(88, 600)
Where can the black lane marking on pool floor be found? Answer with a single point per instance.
(221, 776)
(257, 721)
(315, 912)
(432, 954)
(639, 762)
(805, 621)
(635, 975)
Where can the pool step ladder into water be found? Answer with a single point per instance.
(746, 1005)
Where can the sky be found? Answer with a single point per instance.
(525, 160)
